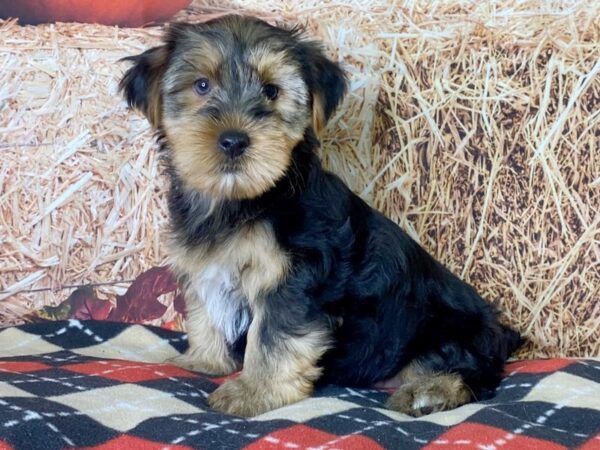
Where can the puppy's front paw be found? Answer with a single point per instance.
(240, 398)
(438, 393)
(235, 397)
(197, 362)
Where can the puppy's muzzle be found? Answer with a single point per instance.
(234, 143)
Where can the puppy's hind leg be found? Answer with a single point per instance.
(454, 373)
(423, 391)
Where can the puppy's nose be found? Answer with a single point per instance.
(234, 143)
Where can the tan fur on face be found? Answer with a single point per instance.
(269, 64)
(204, 59)
(275, 376)
(200, 163)
(423, 392)
(276, 68)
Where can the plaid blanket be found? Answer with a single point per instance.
(104, 385)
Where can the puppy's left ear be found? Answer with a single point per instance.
(326, 82)
(141, 83)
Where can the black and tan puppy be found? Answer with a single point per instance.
(279, 261)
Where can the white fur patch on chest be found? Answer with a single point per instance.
(232, 278)
(225, 303)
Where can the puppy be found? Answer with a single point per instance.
(281, 265)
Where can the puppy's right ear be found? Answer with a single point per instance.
(141, 84)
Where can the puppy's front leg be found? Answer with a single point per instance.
(279, 368)
(207, 351)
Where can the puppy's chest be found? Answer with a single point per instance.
(231, 278)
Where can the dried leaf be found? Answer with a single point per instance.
(82, 304)
(140, 302)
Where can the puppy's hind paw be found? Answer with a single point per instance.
(437, 393)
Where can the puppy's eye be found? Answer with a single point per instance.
(271, 91)
(202, 86)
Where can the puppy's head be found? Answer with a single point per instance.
(233, 97)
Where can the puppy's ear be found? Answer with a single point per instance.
(326, 82)
(141, 83)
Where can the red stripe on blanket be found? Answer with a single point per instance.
(474, 435)
(129, 371)
(135, 443)
(21, 366)
(302, 436)
(592, 444)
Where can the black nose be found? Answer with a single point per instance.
(233, 143)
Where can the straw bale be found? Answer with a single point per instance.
(488, 139)
(475, 125)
